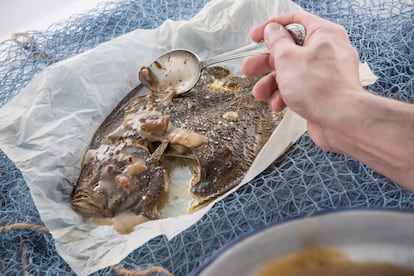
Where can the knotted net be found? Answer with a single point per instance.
(304, 181)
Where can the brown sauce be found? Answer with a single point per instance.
(328, 262)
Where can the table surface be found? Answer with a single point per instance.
(306, 180)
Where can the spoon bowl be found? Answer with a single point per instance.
(175, 71)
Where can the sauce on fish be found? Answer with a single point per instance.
(129, 167)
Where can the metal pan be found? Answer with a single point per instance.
(363, 235)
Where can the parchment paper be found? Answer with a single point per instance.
(46, 128)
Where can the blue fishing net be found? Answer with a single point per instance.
(304, 181)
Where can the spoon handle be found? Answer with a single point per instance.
(248, 50)
(296, 30)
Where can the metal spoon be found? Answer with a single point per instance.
(178, 71)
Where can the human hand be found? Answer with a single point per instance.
(314, 80)
(320, 82)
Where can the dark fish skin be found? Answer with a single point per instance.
(233, 144)
(221, 115)
(87, 201)
(90, 203)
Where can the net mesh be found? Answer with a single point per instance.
(304, 181)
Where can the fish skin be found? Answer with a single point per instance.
(219, 162)
(90, 202)
(233, 145)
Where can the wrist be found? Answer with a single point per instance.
(377, 131)
(337, 122)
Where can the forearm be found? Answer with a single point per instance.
(380, 133)
(320, 82)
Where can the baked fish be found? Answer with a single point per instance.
(216, 130)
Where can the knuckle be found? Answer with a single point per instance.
(324, 45)
(353, 52)
(275, 40)
(336, 31)
(287, 52)
(284, 54)
(340, 30)
(280, 48)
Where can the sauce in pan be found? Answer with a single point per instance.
(312, 262)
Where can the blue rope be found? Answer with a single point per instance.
(305, 180)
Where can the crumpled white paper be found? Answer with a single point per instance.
(46, 128)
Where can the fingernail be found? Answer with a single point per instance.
(272, 28)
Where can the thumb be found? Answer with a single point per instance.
(277, 38)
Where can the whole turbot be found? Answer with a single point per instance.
(216, 129)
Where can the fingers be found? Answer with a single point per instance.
(266, 89)
(258, 65)
(276, 102)
(309, 21)
(277, 39)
